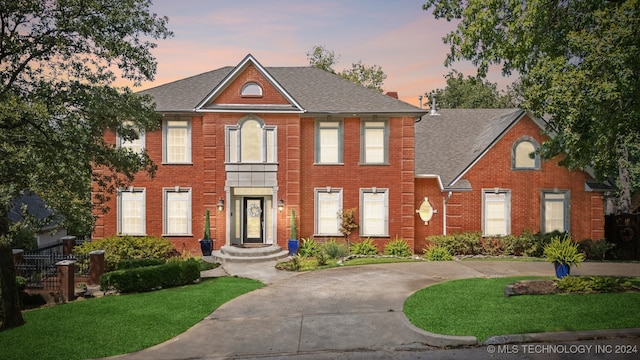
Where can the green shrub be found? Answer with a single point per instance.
(605, 284)
(595, 250)
(563, 250)
(170, 274)
(308, 248)
(397, 247)
(322, 258)
(295, 263)
(364, 247)
(495, 245)
(446, 241)
(136, 263)
(469, 243)
(334, 249)
(437, 253)
(118, 248)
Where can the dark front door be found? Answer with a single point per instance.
(253, 220)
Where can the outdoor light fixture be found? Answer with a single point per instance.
(280, 205)
(220, 205)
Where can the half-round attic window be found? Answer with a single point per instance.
(251, 89)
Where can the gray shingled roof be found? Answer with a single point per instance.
(316, 90)
(447, 144)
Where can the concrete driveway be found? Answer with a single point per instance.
(340, 309)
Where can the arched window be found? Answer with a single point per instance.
(524, 154)
(251, 141)
(251, 89)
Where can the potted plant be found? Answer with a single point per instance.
(563, 253)
(206, 244)
(293, 235)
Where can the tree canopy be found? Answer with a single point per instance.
(579, 69)
(470, 93)
(59, 60)
(371, 77)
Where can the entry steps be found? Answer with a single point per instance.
(235, 254)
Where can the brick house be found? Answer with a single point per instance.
(473, 166)
(250, 143)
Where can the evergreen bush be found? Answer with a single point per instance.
(141, 279)
(364, 247)
(118, 248)
(397, 247)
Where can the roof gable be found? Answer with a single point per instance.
(226, 94)
(449, 144)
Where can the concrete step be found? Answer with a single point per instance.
(232, 254)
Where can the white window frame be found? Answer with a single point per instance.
(365, 216)
(137, 145)
(248, 89)
(365, 147)
(166, 211)
(329, 124)
(321, 217)
(514, 154)
(566, 208)
(122, 200)
(268, 143)
(168, 125)
(488, 195)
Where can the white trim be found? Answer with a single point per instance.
(234, 73)
(431, 176)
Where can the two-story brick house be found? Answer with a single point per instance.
(250, 143)
(256, 142)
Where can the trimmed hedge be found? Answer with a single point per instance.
(118, 248)
(137, 263)
(171, 274)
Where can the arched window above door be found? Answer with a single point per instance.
(251, 141)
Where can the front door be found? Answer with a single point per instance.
(253, 220)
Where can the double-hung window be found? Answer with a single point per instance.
(177, 211)
(328, 202)
(177, 142)
(374, 212)
(374, 142)
(329, 139)
(496, 212)
(555, 211)
(136, 145)
(131, 211)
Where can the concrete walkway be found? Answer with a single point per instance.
(340, 309)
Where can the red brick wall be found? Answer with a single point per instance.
(231, 95)
(350, 177)
(464, 210)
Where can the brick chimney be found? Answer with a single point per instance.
(393, 94)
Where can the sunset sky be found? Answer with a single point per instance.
(399, 36)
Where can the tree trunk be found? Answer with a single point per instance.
(624, 182)
(12, 316)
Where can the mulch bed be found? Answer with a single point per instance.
(531, 287)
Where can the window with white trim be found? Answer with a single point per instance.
(374, 212)
(136, 145)
(177, 142)
(374, 144)
(251, 141)
(328, 146)
(251, 89)
(524, 155)
(555, 211)
(177, 211)
(131, 211)
(496, 212)
(328, 202)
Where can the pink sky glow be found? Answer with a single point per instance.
(399, 36)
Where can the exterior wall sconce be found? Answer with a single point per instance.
(280, 205)
(220, 205)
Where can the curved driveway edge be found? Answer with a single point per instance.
(339, 309)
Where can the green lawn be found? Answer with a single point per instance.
(115, 325)
(477, 307)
